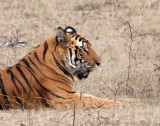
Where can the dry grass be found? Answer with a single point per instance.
(124, 33)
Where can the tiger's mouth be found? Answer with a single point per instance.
(83, 73)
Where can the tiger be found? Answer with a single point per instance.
(44, 77)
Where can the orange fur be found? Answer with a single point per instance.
(42, 78)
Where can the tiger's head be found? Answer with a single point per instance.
(80, 58)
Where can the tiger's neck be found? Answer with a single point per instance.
(49, 56)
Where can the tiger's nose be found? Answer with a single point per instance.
(98, 63)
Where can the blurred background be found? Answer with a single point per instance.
(125, 33)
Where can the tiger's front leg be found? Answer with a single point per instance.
(77, 100)
(89, 101)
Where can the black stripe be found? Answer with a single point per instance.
(1, 107)
(72, 35)
(17, 64)
(47, 90)
(35, 54)
(62, 68)
(76, 55)
(80, 39)
(56, 39)
(13, 79)
(70, 52)
(20, 84)
(26, 62)
(66, 90)
(18, 100)
(24, 77)
(76, 47)
(45, 49)
(43, 98)
(76, 37)
(56, 46)
(46, 76)
(4, 93)
(46, 96)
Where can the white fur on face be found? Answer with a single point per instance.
(79, 43)
(72, 59)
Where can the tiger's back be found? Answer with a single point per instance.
(44, 77)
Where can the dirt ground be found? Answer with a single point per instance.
(125, 33)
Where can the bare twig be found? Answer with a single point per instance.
(17, 35)
(98, 118)
(157, 71)
(88, 122)
(145, 34)
(62, 118)
(74, 113)
(157, 67)
(119, 86)
(108, 87)
(129, 57)
(130, 29)
(150, 34)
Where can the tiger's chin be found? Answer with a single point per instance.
(82, 73)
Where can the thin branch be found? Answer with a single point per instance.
(62, 118)
(157, 67)
(119, 86)
(130, 29)
(108, 87)
(129, 56)
(98, 118)
(74, 114)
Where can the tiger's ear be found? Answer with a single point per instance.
(61, 36)
(69, 29)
